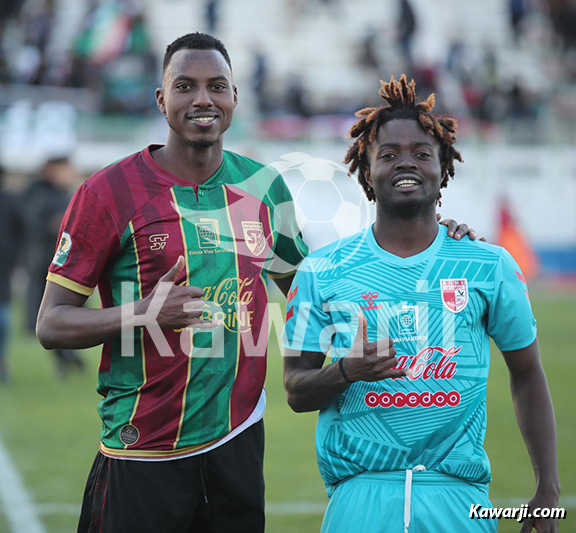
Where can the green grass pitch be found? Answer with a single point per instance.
(50, 428)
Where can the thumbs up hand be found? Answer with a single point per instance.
(176, 306)
(371, 361)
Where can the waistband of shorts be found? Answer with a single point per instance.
(418, 478)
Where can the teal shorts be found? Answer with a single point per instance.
(378, 502)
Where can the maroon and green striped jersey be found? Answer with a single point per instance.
(123, 230)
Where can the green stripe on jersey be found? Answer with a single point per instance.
(126, 373)
(212, 268)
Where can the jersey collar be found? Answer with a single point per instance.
(413, 259)
(210, 183)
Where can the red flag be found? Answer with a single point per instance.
(511, 238)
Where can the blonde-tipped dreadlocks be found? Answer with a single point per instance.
(400, 103)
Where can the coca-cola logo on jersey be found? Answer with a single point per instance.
(422, 367)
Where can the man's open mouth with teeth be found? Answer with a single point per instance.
(203, 120)
(404, 183)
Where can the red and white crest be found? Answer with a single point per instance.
(454, 294)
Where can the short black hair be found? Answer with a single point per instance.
(195, 41)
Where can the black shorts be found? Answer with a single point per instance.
(221, 491)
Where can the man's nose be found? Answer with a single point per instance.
(202, 98)
(405, 162)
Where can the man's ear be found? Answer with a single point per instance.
(368, 177)
(160, 100)
(235, 89)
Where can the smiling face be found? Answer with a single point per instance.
(197, 97)
(405, 170)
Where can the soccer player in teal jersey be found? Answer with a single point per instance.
(407, 314)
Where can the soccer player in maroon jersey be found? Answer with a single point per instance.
(182, 438)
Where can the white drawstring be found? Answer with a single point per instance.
(408, 494)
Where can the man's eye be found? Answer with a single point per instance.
(387, 156)
(423, 155)
(219, 87)
(183, 86)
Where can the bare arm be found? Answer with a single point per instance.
(535, 415)
(63, 322)
(310, 387)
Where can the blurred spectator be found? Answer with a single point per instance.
(563, 18)
(10, 245)
(406, 28)
(296, 101)
(31, 62)
(260, 80)
(517, 10)
(113, 55)
(44, 205)
(37, 24)
(212, 15)
(130, 79)
(9, 8)
(368, 54)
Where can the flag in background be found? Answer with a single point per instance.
(511, 237)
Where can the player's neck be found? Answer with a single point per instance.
(405, 237)
(188, 162)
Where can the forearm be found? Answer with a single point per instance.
(71, 327)
(535, 415)
(312, 389)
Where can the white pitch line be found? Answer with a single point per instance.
(18, 505)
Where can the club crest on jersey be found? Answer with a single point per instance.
(454, 294)
(254, 236)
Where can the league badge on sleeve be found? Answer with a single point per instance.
(63, 249)
(454, 294)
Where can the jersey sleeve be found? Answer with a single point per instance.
(88, 238)
(308, 327)
(510, 320)
(289, 247)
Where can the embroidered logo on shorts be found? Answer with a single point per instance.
(129, 434)
(63, 249)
